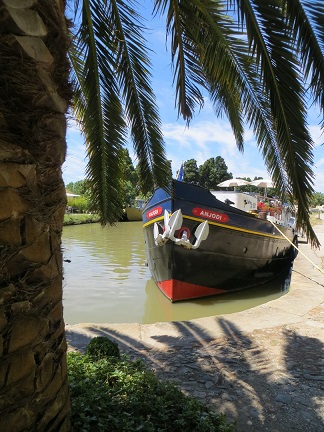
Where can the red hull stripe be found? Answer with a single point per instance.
(176, 290)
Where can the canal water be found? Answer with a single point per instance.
(106, 281)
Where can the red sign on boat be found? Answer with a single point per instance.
(153, 213)
(211, 215)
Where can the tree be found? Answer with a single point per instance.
(318, 199)
(191, 173)
(80, 187)
(129, 172)
(129, 186)
(256, 80)
(35, 95)
(212, 172)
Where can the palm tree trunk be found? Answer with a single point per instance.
(35, 96)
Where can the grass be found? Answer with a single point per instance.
(115, 394)
(314, 219)
(79, 218)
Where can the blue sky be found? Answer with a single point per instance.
(206, 137)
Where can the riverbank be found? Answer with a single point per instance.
(83, 218)
(263, 367)
(79, 218)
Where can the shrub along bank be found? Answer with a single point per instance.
(79, 218)
(111, 393)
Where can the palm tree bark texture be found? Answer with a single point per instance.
(34, 97)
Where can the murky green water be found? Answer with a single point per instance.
(107, 281)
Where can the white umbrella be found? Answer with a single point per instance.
(233, 183)
(263, 183)
(71, 194)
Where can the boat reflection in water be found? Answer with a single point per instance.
(158, 307)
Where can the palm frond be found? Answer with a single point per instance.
(254, 58)
(112, 83)
(259, 79)
(306, 19)
(229, 74)
(187, 71)
(279, 67)
(98, 108)
(133, 72)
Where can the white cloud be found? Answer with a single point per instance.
(207, 139)
(202, 135)
(320, 162)
(317, 134)
(202, 140)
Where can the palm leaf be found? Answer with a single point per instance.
(187, 71)
(279, 66)
(209, 54)
(99, 110)
(113, 91)
(252, 58)
(133, 71)
(307, 23)
(218, 60)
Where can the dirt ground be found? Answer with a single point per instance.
(269, 380)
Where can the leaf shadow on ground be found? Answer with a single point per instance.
(269, 380)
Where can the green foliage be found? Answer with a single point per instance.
(78, 219)
(212, 172)
(317, 199)
(122, 396)
(102, 347)
(80, 187)
(191, 173)
(80, 203)
(130, 192)
(129, 172)
(141, 193)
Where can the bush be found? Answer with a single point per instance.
(81, 203)
(77, 219)
(118, 395)
(101, 347)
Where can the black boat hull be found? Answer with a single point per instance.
(240, 251)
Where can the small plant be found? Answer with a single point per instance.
(120, 395)
(102, 347)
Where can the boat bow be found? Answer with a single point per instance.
(173, 224)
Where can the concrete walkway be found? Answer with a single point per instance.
(263, 367)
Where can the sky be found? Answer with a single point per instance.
(207, 136)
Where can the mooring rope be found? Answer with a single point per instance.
(316, 266)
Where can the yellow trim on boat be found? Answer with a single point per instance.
(220, 225)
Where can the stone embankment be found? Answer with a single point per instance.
(263, 367)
